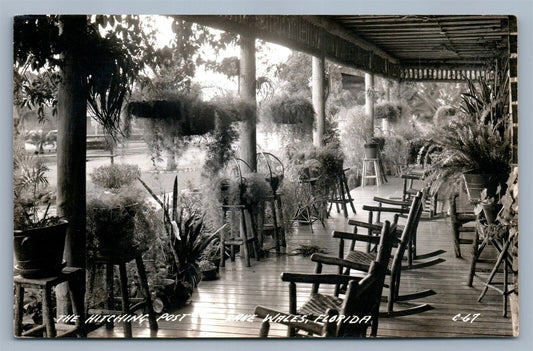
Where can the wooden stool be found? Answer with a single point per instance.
(73, 276)
(375, 165)
(243, 241)
(111, 259)
(341, 195)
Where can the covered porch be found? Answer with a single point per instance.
(397, 48)
(224, 308)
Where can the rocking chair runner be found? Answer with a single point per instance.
(360, 260)
(362, 299)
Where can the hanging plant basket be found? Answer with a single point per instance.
(291, 110)
(39, 251)
(190, 116)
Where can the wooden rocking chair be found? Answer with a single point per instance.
(361, 301)
(360, 260)
(401, 208)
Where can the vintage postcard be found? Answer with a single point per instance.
(254, 176)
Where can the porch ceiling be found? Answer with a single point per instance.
(433, 40)
(411, 47)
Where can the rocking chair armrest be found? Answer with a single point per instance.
(365, 224)
(385, 209)
(411, 176)
(291, 320)
(374, 239)
(383, 200)
(335, 261)
(314, 278)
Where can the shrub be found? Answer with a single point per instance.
(114, 176)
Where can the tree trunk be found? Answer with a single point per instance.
(171, 161)
(71, 149)
(318, 100)
(248, 142)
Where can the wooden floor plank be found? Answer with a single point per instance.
(240, 289)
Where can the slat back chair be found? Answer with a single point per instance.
(401, 208)
(360, 260)
(350, 319)
(360, 300)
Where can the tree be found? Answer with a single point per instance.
(91, 67)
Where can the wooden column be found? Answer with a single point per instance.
(369, 103)
(71, 148)
(247, 94)
(385, 122)
(318, 100)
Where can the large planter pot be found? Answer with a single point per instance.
(39, 251)
(115, 229)
(475, 183)
(210, 274)
(371, 150)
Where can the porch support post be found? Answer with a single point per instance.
(369, 102)
(385, 121)
(318, 100)
(71, 150)
(248, 142)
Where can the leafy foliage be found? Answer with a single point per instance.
(388, 110)
(114, 176)
(509, 201)
(322, 164)
(31, 195)
(186, 237)
(111, 62)
(290, 110)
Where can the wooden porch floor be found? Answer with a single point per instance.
(215, 304)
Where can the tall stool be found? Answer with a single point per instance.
(374, 165)
(73, 276)
(243, 240)
(120, 259)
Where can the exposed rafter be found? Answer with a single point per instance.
(393, 46)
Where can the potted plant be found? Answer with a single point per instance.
(112, 207)
(186, 242)
(476, 146)
(373, 146)
(208, 269)
(39, 238)
(391, 111)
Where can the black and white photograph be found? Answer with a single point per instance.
(185, 176)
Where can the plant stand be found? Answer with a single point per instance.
(341, 195)
(72, 276)
(120, 260)
(275, 226)
(501, 243)
(307, 211)
(242, 241)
